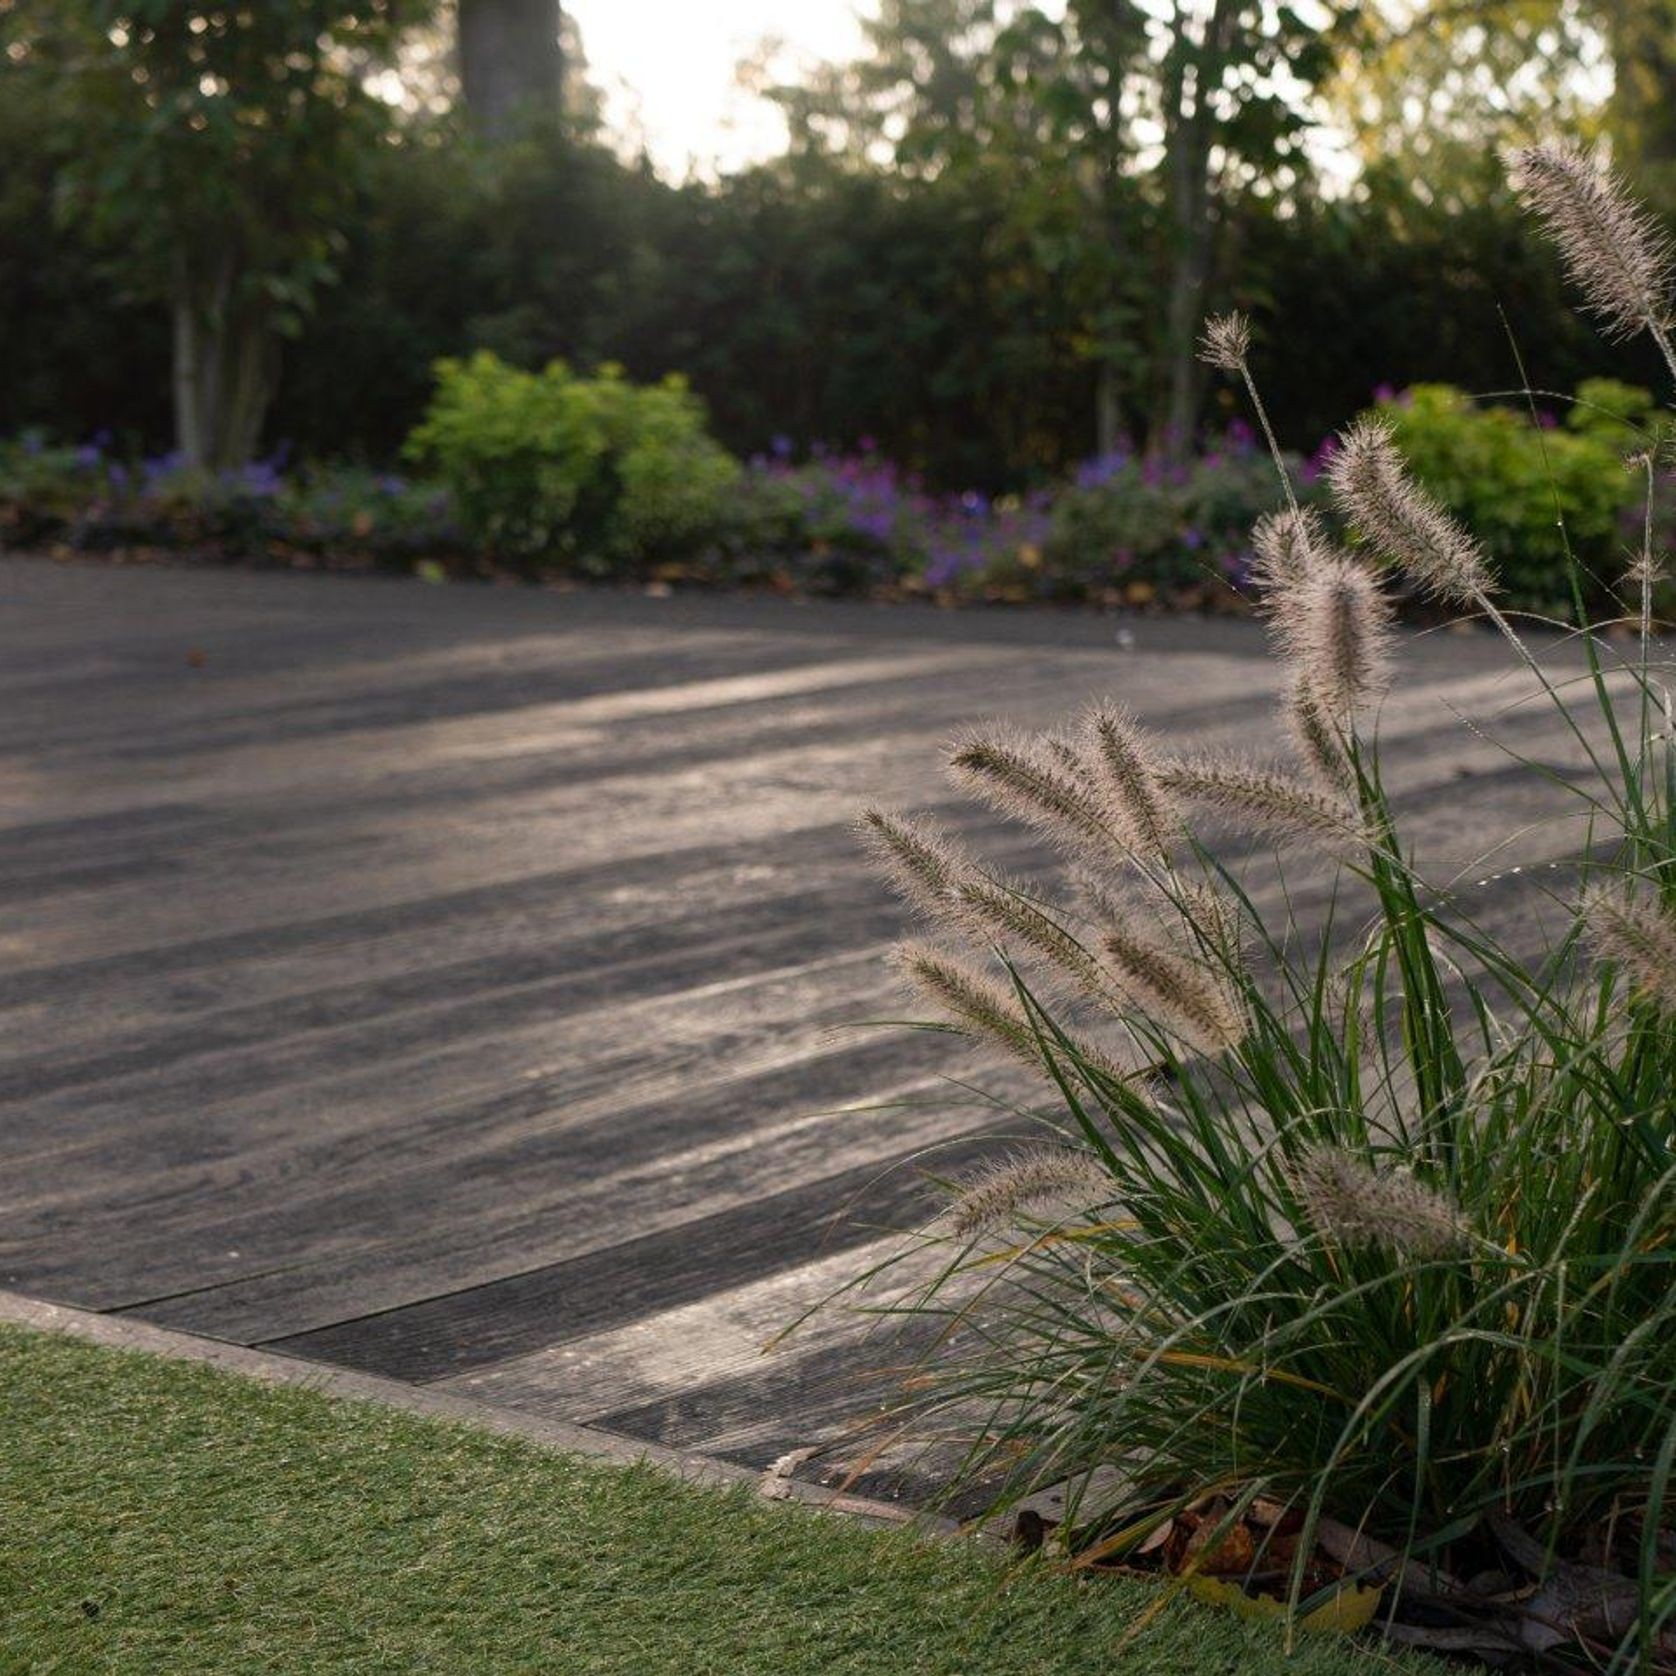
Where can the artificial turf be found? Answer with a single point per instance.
(162, 1517)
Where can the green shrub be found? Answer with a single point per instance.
(1124, 519)
(594, 473)
(1507, 476)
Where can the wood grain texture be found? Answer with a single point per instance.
(472, 985)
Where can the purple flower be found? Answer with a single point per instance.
(260, 478)
(1192, 538)
(1102, 469)
(158, 466)
(1318, 462)
(780, 446)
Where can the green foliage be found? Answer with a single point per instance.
(217, 154)
(193, 131)
(597, 473)
(1510, 477)
(958, 323)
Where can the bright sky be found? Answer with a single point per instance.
(667, 69)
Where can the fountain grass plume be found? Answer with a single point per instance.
(1334, 625)
(979, 1007)
(1184, 996)
(1352, 1202)
(1125, 767)
(1372, 487)
(1019, 777)
(1286, 546)
(988, 909)
(1318, 738)
(1024, 1185)
(1264, 800)
(920, 860)
(1628, 925)
(1226, 342)
(1616, 254)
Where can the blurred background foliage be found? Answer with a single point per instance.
(981, 256)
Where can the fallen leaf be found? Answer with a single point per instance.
(1348, 1610)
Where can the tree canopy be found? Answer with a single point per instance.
(987, 245)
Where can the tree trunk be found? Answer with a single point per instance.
(1190, 133)
(511, 64)
(224, 369)
(1641, 35)
(1108, 410)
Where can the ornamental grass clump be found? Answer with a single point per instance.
(1359, 1228)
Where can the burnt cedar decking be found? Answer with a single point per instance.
(461, 984)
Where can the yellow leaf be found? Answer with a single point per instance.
(1350, 1609)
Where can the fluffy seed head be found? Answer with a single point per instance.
(979, 1007)
(1622, 925)
(1288, 545)
(1353, 1203)
(1216, 920)
(1029, 1182)
(920, 861)
(1065, 754)
(1613, 250)
(991, 910)
(968, 999)
(1226, 342)
(1022, 779)
(1179, 995)
(1335, 626)
(1318, 739)
(1371, 485)
(1126, 771)
(1647, 569)
(1265, 801)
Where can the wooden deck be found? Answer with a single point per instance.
(461, 984)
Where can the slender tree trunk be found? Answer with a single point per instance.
(1188, 276)
(1108, 410)
(189, 438)
(1190, 132)
(1641, 35)
(224, 368)
(511, 64)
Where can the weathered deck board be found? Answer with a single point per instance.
(463, 983)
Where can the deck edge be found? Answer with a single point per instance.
(561, 1436)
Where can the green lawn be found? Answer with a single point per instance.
(161, 1517)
